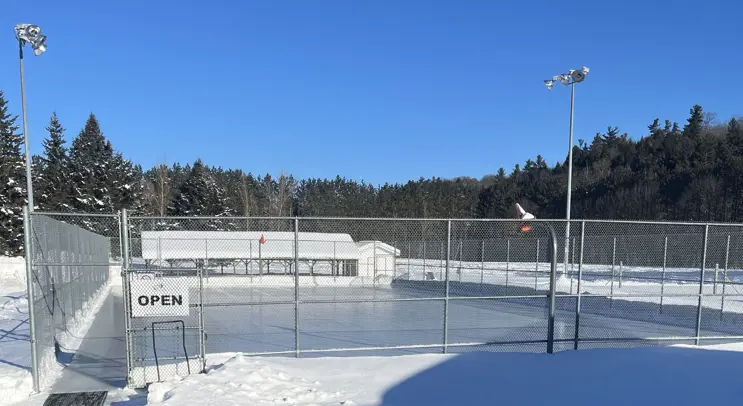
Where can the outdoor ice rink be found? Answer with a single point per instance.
(256, 315)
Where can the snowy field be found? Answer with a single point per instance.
(642, 284)
(639, 376)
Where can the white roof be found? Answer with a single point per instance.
(245, 245)
(369, 247)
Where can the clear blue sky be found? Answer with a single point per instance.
(382, 90)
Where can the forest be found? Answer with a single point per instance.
(689, 172)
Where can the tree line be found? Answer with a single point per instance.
(692, 172)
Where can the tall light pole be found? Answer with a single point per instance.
(569, 79)
(31, 34)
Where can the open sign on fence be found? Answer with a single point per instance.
(160, 297)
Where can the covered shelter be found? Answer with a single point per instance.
(326, 253)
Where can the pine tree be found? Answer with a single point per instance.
(126, 184)
(54, 171)
(12, 183)
(199, 195)
(91, 159)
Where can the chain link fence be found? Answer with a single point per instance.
(68, 269)
(317, 286)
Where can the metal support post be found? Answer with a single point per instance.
(572, 265)
(508, 258)
(536, 269)
(714, 284)
(482, 262)
(621, 272)
(28, 252)
(580, 277)
(126, 289)
(374, 261)
(701, 284)
(410, 257)
(446, 287)
(441, 262)
(553, 291)
(459, 270)
(663, 274)
(725, 277)
(613, 261)
(296, 285)
(424, 259)
(202, 333)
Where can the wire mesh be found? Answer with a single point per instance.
(71, 260)
(314, 286)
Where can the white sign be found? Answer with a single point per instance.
(161, 297)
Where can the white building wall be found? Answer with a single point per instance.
(377, 259)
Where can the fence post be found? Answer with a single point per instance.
(441, 261)
(508, 259)
(725, 277)
(296, 286)
(572, 265)
(613, 261)
(714, 285)
(621, 272)
(482, 262)
(663, 274)
(374, 274)
(410, 257)
(424, 259)
(202, 333)
(28, 252)
(580, 276)
(553, 291)
(446, 287)
(701, 284)
(536, 269)
(126, 289)
(459, 269)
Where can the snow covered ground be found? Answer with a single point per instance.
(680, 375)
(642, 284)
(15, 350)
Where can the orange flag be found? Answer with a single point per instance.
(262, 240)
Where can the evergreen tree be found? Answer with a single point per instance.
(53, 172)
(199, 195)
(12, 183)
(126, 184)
(92, 158)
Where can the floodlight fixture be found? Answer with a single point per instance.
(29, 33)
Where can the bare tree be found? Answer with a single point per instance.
(285, 193)
(247, 199)
(161, 189)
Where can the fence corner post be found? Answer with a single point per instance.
(30, 292)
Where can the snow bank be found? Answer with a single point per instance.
(16, 382)
(638, 376)
(12, 272)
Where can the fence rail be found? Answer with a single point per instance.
(195, 286)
